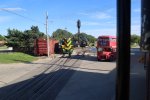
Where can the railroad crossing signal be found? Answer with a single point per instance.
(78, 24)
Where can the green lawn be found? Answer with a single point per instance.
(16, 58)
(3, 47)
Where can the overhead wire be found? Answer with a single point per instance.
(9, 11)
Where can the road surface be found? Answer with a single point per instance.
(76, 78)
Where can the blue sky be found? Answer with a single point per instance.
(98, 17)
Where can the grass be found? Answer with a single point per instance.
(3, 47)
(134, 46)
(16, 58)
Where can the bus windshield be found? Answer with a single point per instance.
(103, 41)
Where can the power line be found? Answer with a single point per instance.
(3, 9)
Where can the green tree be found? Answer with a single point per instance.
(90, 38)
(30, 36)
(60, 33)
(135, 39)
(35, 32)
(23, 41)
(14, 38)
(2, 38)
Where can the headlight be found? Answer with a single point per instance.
(100, 49)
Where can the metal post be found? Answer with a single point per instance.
(123, 49)
(47, 34)
(78, 37)
(79, 30)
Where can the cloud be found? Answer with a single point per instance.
(13, 9)
(100, 15)
(138, 10)
(135, 0)
(136, 29)
(136, 22)
(98, 32)
(97, 15)
(85, 14)
(90, 23)
(4, 18)
(111, 10)
(108, 23)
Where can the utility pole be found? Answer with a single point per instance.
(47, 34)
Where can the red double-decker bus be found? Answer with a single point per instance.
(106, 48)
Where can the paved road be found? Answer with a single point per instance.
(84, 72)
(92, 80)
(76, 78)
(96, 80)
(138, 77)
(10, 72)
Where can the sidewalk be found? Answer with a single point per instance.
(137, 79)
(92, 80)
(10, 72)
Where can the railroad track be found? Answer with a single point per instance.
(42, 84)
